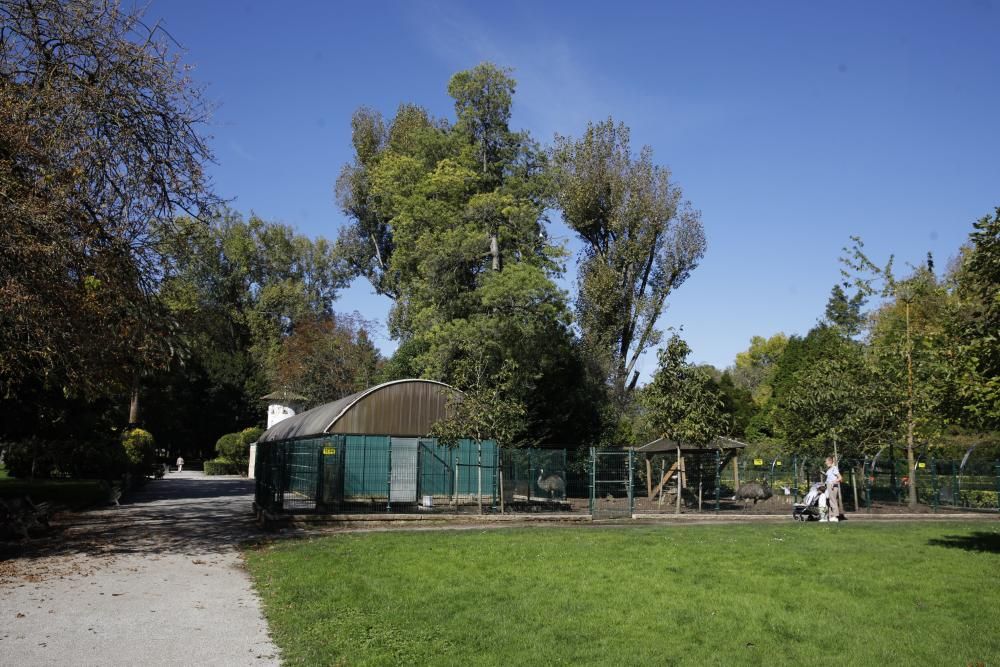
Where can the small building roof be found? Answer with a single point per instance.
(283, 395)
(405, 408)
(665, 446)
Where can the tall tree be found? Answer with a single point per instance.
(448, 219)
(100, 140)
(904, 329)
(973, 393)
(755, 367)
(682, 401)
(326, 358)
(642, 240)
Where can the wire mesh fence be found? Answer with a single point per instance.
(371, 474)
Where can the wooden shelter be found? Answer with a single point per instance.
(726, 448)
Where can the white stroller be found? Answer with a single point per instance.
(813, 506)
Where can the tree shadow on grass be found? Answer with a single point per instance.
(977, 541)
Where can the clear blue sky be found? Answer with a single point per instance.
(790, 125)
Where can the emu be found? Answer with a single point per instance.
(553, 484)
(752, 491)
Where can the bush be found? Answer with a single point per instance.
(979, 499)
(229, 446)
(224, 466)
(248, 436)
(139, 446)
(235, 447)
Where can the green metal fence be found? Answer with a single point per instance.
(365, 473)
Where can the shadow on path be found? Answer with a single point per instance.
(977, 541)
(185, 513)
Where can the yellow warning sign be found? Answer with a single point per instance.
(921, 465)
(758, 462)
(329, 451)
(777, 463)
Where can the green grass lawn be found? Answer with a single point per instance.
(791, 594)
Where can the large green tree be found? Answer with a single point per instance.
(448, 220)
(100, 141)
(641, 242)
(682, 402)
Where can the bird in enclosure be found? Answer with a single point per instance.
(753, 491)
(553, 484)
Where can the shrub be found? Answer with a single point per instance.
(140, 449)
(979, 499)
(229, 446)
(235, 447)
(248, 436)
(224, 466)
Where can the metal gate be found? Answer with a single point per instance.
(611, 484)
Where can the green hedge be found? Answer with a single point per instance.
(979, 499)
(223, 466)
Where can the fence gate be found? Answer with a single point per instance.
(610, 484)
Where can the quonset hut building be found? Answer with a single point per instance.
(371, 452)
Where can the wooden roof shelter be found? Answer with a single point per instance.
(727, 448)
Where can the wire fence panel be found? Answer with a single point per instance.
(368, 474)
(611, 484)
(371, 474)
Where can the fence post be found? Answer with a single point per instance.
(457, 480)
(956, 486)
(319, 476)
(593, 466)
(996, 471)
(795, 478)
(388, 480)
(631, 500)
(868, 473)
(718, 478)
(935, 490)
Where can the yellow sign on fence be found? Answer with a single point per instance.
(329, 451)
(921, 465)
(758, 462)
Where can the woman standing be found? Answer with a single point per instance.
(833, 480)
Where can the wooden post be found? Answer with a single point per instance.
(663, 464)
(680, 463)
(649, 478)
(854, 487)
(736, 473)
(699, 484)
(500, 472)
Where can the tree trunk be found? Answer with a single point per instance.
(133, 406)
(495, 250)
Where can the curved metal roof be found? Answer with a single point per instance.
(400, 408)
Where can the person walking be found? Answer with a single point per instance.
(180, 464)
(834, 499)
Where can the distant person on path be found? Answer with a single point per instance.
(833, 480)
(180, 463)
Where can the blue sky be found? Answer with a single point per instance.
(789, 125)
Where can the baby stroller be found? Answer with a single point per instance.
(809, 508)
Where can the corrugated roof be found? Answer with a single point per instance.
(400, 408)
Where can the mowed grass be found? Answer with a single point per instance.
(790, 594)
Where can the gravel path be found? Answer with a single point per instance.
(157, 581)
